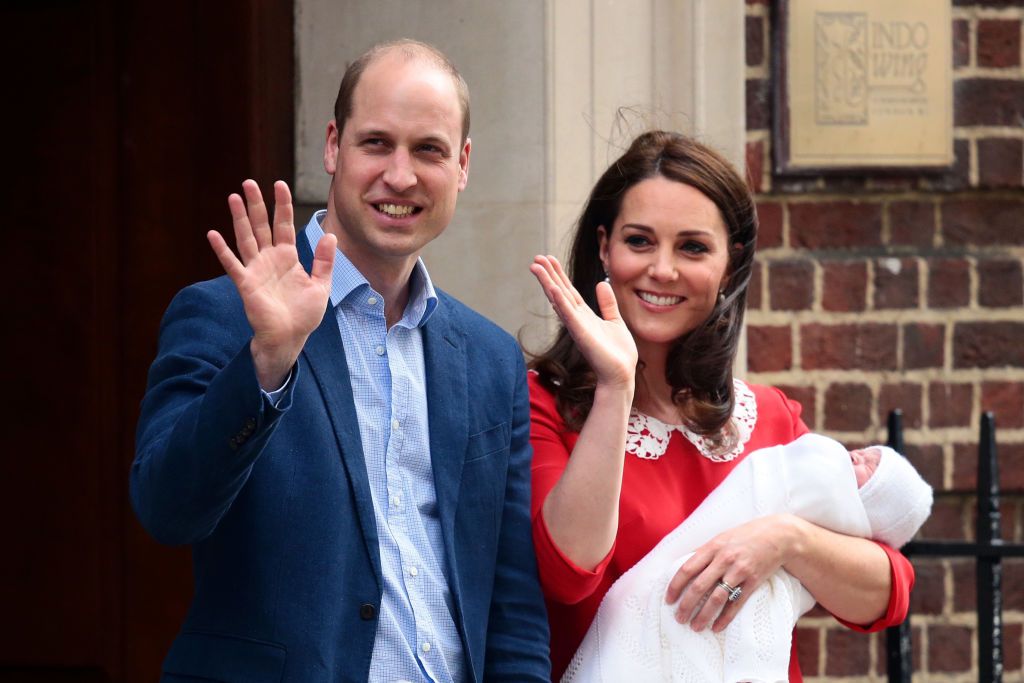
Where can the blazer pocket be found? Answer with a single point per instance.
(488, 442)
(226, 658)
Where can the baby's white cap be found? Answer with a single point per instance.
(896, 498)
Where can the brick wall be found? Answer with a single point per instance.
(890, 290)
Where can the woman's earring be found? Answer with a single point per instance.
(721, 296)
(606, 278)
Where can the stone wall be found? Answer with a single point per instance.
(880, 291)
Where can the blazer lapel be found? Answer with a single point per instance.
(325, 355)
(445, 361)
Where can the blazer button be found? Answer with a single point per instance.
(367, 611)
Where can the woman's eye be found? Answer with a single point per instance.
(694, 247)
(636, 241)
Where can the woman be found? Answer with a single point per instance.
(636, 416)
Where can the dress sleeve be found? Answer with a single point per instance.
(902, 574)
(561, 579)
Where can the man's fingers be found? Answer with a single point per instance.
(244, 239)
(258, 216)
(232, 266)
(284, 216)
(323, 259)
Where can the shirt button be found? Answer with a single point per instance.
(426, 647)
(380, 350)
(372, 301)
(395, 424)
(413, 571)
(395, 501)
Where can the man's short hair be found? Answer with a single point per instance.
(410, 49)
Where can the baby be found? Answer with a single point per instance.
(872, 493)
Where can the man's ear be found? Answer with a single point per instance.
(464, 164)
(331, 148)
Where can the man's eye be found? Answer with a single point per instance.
(431, 149)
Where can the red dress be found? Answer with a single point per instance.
(657, 495)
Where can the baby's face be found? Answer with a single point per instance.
(865, 462)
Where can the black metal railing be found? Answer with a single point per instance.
(988, 550)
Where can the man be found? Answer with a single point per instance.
(354, 483)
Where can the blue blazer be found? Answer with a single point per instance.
(276, 504)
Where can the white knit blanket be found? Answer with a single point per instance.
(635, 638)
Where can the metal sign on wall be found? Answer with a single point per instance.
(863, 84)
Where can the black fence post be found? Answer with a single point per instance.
(899, 659)
(989, 569)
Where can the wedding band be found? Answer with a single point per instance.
(734, 593)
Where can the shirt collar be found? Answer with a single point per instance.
(346, 279)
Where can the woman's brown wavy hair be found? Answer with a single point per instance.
(699, 367)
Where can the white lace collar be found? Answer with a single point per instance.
(647, 437)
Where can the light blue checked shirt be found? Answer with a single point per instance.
(416, 635)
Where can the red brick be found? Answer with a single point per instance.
(754, 287)
(983, 222)
(807, 650)
(923, 346)
(769, 349)
(965, 598)
(758, 104)
(1000, 162)
(907, 397)
(847, 653)
(848, 407)
(1013, 584)
(1013, 635)
(988, 345)
(988, 102)
(1000, 283)
(928, 460)
(844, 285)
(755, 40)
(949, 648)
(1006, 401)
(949, 283)
(896, 283)
(946, 523)
(965, 467)
(998, 43)
(929, 594)
(755, 165)
(791, 285)
(870, 346)
(805, 397)
(835, 224)
(950, 404)
(961, 42)
(1011, 467)
(769, 225)
(912, 223)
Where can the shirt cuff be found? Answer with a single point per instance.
(274, 397)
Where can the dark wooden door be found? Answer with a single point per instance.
(126, 124)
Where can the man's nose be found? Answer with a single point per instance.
(399, 174)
